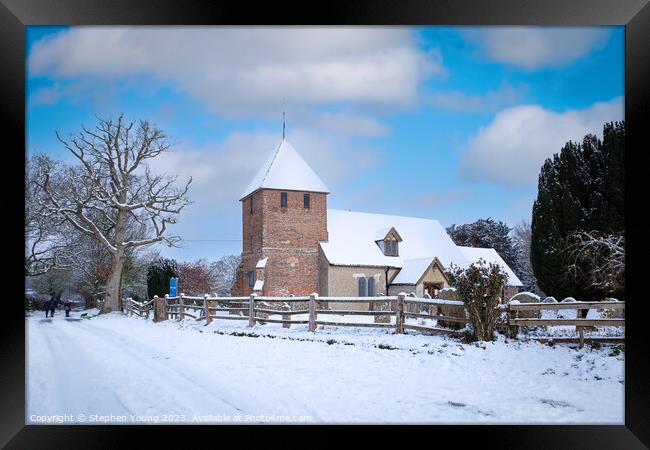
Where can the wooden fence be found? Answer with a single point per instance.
(260, 309)
(318, 310)
(515, 322)
(141, 309)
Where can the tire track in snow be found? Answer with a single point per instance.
(183, 378)
(72, 363)
(230, 394)
(38, 386)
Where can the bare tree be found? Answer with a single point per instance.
(111, 192)
(47, 242)
(224, 273)
(598, 257)
(196, 277)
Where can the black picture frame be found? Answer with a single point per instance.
(15, 15)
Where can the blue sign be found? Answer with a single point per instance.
(172, 286)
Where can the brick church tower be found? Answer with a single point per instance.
(284, 215)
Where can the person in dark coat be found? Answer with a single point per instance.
(50, 305)
(67, 306)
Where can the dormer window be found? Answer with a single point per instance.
(388, 241)
(390, 247)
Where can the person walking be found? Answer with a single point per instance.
(67, 306)
(50, 305)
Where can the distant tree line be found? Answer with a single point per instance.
(512, 244)
(195, 278)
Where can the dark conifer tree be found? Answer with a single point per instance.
(158, 275)
(579, 189)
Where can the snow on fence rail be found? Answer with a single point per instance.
(435, 316)
(513, 310)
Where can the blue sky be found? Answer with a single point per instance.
(451, 123)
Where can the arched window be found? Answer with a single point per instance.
(371, 287)
(362, 287)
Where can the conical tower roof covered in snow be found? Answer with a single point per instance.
(285, 169)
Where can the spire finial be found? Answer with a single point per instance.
(283, 123)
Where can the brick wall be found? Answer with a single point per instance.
(287, 236)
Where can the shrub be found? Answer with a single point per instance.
(480, 287)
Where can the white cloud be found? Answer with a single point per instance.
(537, 47)
(236, 71)
(513, 147)
(494, 100)
(79, 91)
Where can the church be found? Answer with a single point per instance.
(294, 245)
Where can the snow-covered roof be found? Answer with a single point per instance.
(381, 233)
(412, 270)
(490, 255)
(261, 263)
(259, 284)
(285, 169)
(352, 239)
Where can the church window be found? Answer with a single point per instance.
(390, 247)
(362, 287)
(306, 201)
(371, 287)
(283, 199)
(251, 279)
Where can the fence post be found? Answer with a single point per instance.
(312, 312)
(514, 329)
(285, 316)
(399, 313)
(251, 311)
(206, 309)
(581, 334)
(160, 309)
(181, 312)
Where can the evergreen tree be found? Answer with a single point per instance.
(488, 233)
(159, 273)
(579, 189)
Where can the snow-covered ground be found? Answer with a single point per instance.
(117, 369)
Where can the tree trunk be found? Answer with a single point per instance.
(113, 286)
(114, 283)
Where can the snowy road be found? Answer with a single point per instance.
(118, 369)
